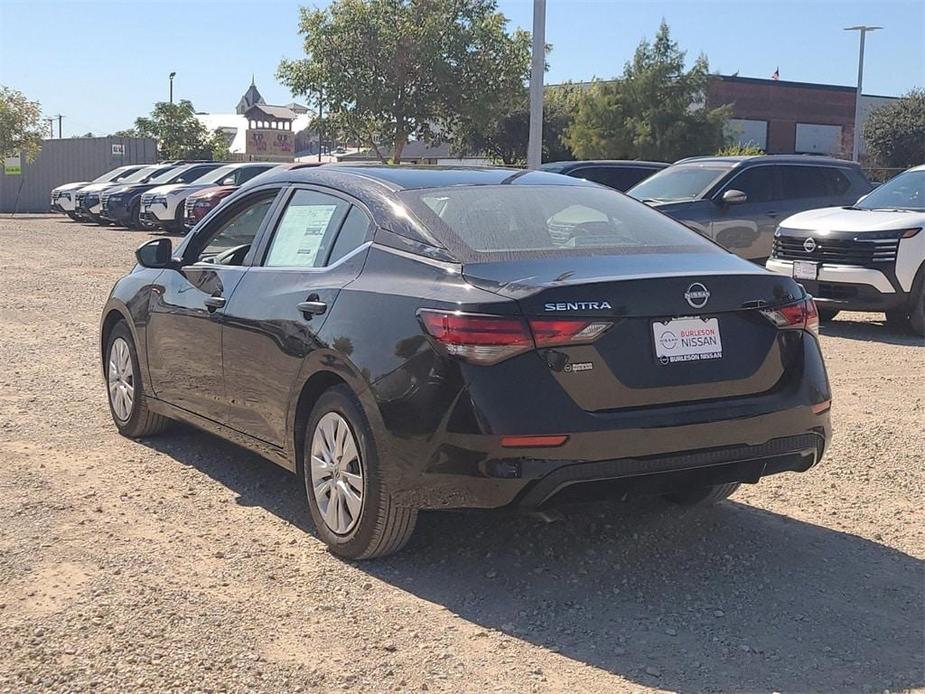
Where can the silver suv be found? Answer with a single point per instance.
(739, 201)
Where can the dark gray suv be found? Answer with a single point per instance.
(739, 201)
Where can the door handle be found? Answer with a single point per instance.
(214, 302)
(313, 306)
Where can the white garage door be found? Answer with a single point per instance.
(748, 132)
(818, 139)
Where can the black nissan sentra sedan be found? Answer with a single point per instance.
(409, 338)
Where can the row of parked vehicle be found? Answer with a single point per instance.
(804, 216)
(171, 195)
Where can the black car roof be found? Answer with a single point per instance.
(405, 177)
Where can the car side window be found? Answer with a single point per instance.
(191, 175)
(306, 230)
(246, 173)
(352, 234)
(813, 182)
(618, 178)
(757, 182)
(233, 237)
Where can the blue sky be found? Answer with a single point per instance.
(102, 64)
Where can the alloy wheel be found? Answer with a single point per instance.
(336, 473)
(121, 378)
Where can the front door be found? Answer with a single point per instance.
(272, 322)
(747, 229)
(184, 332)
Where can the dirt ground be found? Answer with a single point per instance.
(184, 563)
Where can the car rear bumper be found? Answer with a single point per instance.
(475, 472)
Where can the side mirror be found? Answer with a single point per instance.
(734, 197)
(157, 253)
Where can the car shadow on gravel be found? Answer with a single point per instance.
(731, 598)
(868, 331)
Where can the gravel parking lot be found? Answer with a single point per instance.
(185, 563)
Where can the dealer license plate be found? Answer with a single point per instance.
(805, 269)
(687, 339)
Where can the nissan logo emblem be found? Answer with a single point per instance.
(809, 245)
(697, 295)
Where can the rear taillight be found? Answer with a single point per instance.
(799, 316)
(487, 339)
(478, 338)
(557, 332)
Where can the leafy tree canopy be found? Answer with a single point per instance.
(656, 110)
(179, 134)
(390, 70)
(895, 133)
(21, 127)
(505, 138)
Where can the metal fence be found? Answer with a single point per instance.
(67, 160)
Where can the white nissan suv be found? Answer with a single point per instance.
(866, 257)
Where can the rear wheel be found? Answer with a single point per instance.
(348, 498)
(827, 314)
(127, 402)
(703, 496)
(917, 304)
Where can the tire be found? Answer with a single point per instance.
(917, 304)
(827, 314)
(132, 416)
(912, 317)
(176, 227)
(898, 319)
(134, 220)
(703, 496)
(73, 216)
(372, 527)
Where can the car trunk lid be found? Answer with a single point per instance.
(686, 327)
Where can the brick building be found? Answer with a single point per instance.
(791, 117)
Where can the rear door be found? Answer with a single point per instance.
(316, 247)
(747, 229)
(812, 187)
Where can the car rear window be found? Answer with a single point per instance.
(479, 223)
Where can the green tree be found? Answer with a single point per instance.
(656, 110)
(179, 134)
(895, 133)
(21, 127)
(391, 70)
(736, 150)
(505, 139)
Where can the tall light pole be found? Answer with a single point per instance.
(171, 76)
(862, 30)
(537, 68)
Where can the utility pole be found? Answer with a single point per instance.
(59, 117)
(862, 30)
(537, 70)
(171, 76)
(51, 127)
